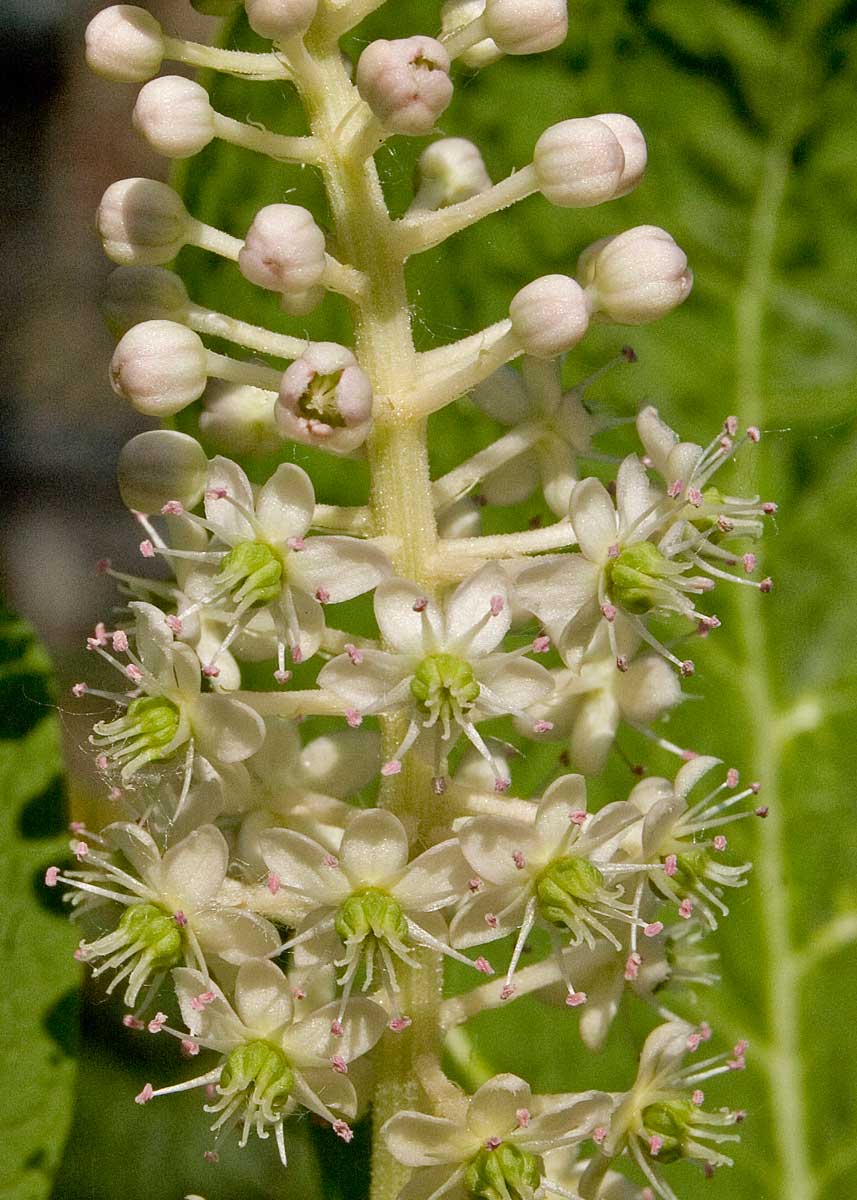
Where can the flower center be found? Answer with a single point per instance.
(263, 1074)
(144, 733)
(633, 578)
(319, 401)
(155, 933)
(564, 888)
(669, 1122)
(504, 1173)
(371, 913)
(253, 573)
(444, 687)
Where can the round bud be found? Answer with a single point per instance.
(284, 252)
(175, 116)
(526, 26)
(633, 147)
(405, 82)
(124, 43)
(141, 222)
(636, 277)
(453, 16)
(280, 19)
(578, 163)
(160, 367)
(240, 419)
(325, 399)
(449, 171)
(135, 294)
(158, 466)
(549, 315)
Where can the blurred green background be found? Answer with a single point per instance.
(749, 111)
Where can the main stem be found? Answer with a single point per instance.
(401, 508)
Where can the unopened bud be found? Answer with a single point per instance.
(141, 222)
(124, 43)
(578, 163)
(457, 13)
(634, 148)
(240, 419)
(175, 116)
(636, 277)
(284, 251)
(158, 466)
(280, 19)
(549, 316)
(325, 399)
(449, 171)
(160, 367)
(405, 82)
(526, 26)
(135, 294)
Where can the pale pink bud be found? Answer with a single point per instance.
(405, 82)
(325, 399)
(280, 19)
(526, 26)
(175, 116)
(240, 419)
(158, 466)
(549, 316)
(141, 222)
(578, 163)
(284, 251)
(124, 43)
(633, 147)
(636, 277)
(160, 367)
(135, 294)
(448, 172)
(457, 13)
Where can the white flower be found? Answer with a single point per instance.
(661, 1120)
(172, 911)
(492, 1145)
(166, 708)
(555, 873)
(368, 901)
(442, 671)
(274, 1058)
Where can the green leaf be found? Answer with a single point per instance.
(38, 1001)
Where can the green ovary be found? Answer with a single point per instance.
(156, 931)
(505, 1173)
(564, 886)
(371, 912)
(144, 733)
(669, 1120)
(262, 1071)
(319, 402)
(253, 572)
(633, 578)
(444, 686)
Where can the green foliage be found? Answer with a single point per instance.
(748, 108)
(38, 1008)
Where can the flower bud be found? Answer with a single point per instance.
(240, 419)
(636, 277)
(325, 399)
(160, 367)
(526, 26)
(448, 172)
(405, 82)
(175, 116)
(135, 294)
(633, 147)
(141, 222)
(549, 315)
(284, 251)
(161, 465)
(578, 163)
(280, 19)
(124, 43)
(454, 15)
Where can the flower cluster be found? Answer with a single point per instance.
(289, 897)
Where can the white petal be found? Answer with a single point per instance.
(559, 474)
(310, 620)
(153, 639)
(489, 844)
(369, 685)
(556, 589)
(286, 504)
(234, 935)
(515, 683)
(333, 1090)
(565, 1119)
(445, 1183)
(648, 689)
(194, 870)
(504, 397)
(226, 730)
(594, 730)
(565, 796)
(433, 878)
(418, 1140)
(469, 927)
(228, 523)
(603, 995)
(633, 493)
(276, 761)
(343, 567)
(692, 772)
(362, 1025)
(664, 1048)
(374, 848)
(471, 629)
(207, 646)
(578, 634)
(263, 997)
(512, 483)
(492, 1109)
(186, 671)
(402, 627)
(594, 519)
(215, 1024)
(657, 437)
(138, 847)
(341, 763)
(303, 866)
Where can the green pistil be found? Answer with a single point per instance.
(319, 403)
(444, 685)
(633, 578)
(669, 1121)
(564, 886)
(158, 933)
(254, 573)
(371, 912)
(504, 1173)
(262, 1071)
